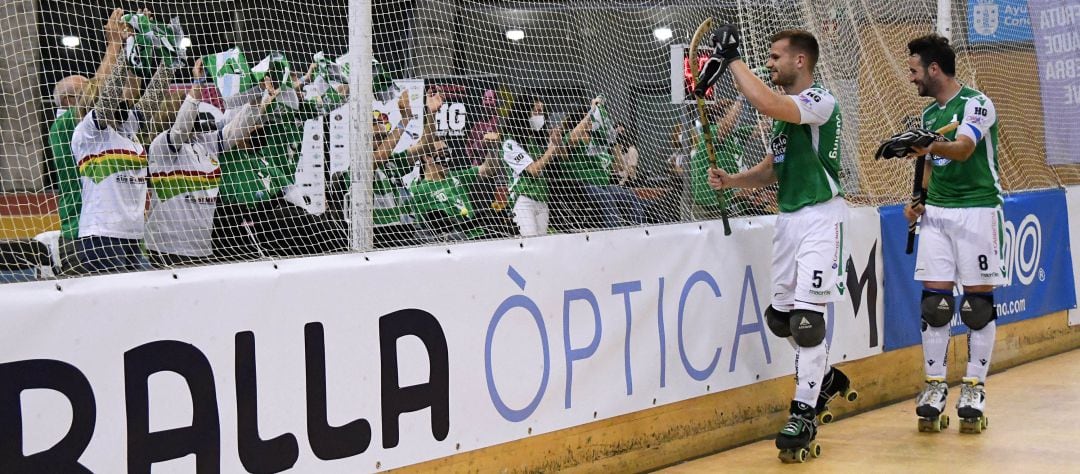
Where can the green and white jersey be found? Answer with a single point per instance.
(806, 155)
(521, 182)
(974, 182)
(388, 205)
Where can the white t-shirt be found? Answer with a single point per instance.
(184, 183)
(112, 172)
(517, 159)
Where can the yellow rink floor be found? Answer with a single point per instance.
(1034, 414)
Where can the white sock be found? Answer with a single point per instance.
(935, 345)
(980, 348)
(810, 366)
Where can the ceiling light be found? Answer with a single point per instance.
(71, 42)
(515, 35)
(662, 34)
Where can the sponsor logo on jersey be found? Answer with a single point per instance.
(779, 147)
(129, 179)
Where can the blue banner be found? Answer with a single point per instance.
(1037, 260)
(992, 21)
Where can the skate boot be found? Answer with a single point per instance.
(930, 403)
(796, 439)
(834, 384)
(970, 406)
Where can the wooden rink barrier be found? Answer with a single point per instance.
(682, 431)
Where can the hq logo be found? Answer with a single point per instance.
(1022, 251)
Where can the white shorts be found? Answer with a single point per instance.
(961, 245)
(809, 254)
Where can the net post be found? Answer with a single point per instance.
(360, 105)
(944, 18)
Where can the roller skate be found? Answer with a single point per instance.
(833, 384)
(970, 406)
(930, 403)
(796, 439)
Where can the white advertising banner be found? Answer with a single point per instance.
(1072, 200)
(364, 362)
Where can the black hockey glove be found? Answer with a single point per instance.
(725, 50)
(904, 143)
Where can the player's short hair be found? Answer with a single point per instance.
(802, 41)
(934, 48)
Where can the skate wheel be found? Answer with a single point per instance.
(971, 425)
(985, 422)
(933, 425)
(815, 449)
(851, 395)
(791, 456)
(825, 417)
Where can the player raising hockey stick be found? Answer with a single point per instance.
(808, 246)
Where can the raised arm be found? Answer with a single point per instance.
(154, 97)
(183, 127)
(386, 147)
(555, 149)
(248, 118)
(581, 131)
(762, 97)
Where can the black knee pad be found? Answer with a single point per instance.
(977, 310)
(778, 321)
(808, 327)
(937, 308)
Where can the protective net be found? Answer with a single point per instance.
(217, 131)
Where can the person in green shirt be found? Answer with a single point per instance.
(254, 217)
(69, 190)
(808, 245)
(391, 214)
(517, 145)
(442, 203)
(588, 167)
(728, 148)
(960, 239)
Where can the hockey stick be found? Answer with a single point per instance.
(918, 192)
(699, 34)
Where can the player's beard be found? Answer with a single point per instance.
(779, 78)
(925, 88)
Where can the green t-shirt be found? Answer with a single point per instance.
(247, 178)
(386, 187)
(70, 200)
(447, 201)
(283, 134)
(974, 182)
(728, 153)
(806, 157)
(588, 166)
(251, 176)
